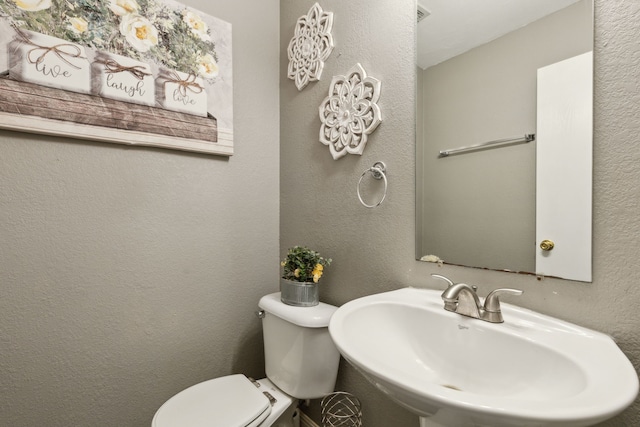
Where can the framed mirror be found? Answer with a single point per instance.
(482, 78)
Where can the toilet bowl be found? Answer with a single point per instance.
(301, 362)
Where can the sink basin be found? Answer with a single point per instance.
(452, 370)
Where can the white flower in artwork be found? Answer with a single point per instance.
(139, 32)
(350, 113)
(310, 46)
(207, 66)
(124, 7)
(33, 5)
(78, 25)
(198, 27)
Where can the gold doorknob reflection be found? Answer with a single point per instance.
(547, 245)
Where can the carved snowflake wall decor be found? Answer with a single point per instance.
(310, 46)
(350, 113)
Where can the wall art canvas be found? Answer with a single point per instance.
(139, 72)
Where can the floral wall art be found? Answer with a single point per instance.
(350, 113)
(147, 72)
(310, 46)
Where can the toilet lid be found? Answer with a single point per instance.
(231, 401)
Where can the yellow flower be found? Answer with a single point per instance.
(296, 272)
(33, 5)
(317, 272)
(78, 25)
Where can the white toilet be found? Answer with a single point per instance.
(301, 362)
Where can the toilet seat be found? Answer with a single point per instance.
(231, 401)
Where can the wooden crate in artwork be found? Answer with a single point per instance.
(181, 92)
(122, 78)
(36, 108)
(49, 61)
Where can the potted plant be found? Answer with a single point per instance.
(303, 269)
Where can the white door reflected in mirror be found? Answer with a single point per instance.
(564, 168)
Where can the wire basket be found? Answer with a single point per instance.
(341, 409)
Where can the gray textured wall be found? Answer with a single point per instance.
(373, 250)
(128, 274)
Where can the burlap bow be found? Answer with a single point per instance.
(113, 67)
(183, 84)
(62, 50)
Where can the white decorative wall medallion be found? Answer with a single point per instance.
(350, 113)
(310, 46)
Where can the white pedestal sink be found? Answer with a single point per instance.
(455, 371)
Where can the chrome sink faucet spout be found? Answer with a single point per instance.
(463, 299)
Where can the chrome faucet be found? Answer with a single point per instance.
(462, 299)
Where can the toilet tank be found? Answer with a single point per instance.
(300, 357)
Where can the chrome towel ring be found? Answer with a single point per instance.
(378, 171)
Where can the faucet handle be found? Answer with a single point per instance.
(492, 301)
(446, 279)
